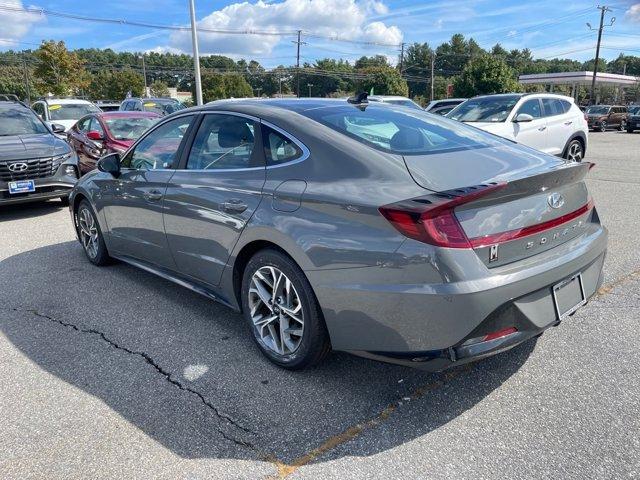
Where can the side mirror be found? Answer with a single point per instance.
(57, 128)
(110, 164)
(94, 135)
(523, 117)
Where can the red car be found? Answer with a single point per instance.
(99, 134)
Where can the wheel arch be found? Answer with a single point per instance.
(581, 137)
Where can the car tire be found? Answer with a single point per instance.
(603, 126)
(574, 151)
(629, 130)
(623, 126)
(90, 235)
(286, 321)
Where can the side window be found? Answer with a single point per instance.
(125, 106)
(552, 107)
(160, 148)
(95, 125)
(566, 106)
(39, 109)
(278, 148)
(83, 124)
(531, 107)
(224, 142)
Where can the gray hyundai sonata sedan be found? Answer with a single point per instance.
(337, 224)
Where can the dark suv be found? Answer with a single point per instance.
(602, 117)
(161, 106)
(633, 120)
(34, 163)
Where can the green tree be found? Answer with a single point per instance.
(13, 80)
(383, 81)
(485, 75)
(159, 89)
(235, 86)
(59, 71)
(375, 61)
(417, 63)
(106, 85)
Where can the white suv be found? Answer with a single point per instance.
(65, 111)
(551, 123)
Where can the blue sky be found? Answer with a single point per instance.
(548, 27)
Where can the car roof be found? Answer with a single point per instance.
(152, 99)
(526, 95)
(9, 104)
(124, 114)
(66, 101)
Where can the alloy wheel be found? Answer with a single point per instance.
(603, 126)
(574, 153)
(276, 310)
(88, 232)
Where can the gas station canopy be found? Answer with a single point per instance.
(579, 78)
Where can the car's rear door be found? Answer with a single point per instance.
(210, 199)
(134, 202)
(533, 133)
(560, 124)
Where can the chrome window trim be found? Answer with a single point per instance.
(305, 151)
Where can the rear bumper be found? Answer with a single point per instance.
(425, 325)
(55, 186)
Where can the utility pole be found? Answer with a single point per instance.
(196, 54)
(298, 42)
(144, 74)
(603, 9)
(433, 63)
(26, 81)
(401, 57)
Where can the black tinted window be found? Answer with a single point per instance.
(159, 149)
(552, 106)
(531, 107)
(224, 142)
(278, 148)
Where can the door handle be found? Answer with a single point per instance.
(542, 129)
(568, 122)
(153, 195)
(234, 206)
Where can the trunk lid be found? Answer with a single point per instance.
(543, 202)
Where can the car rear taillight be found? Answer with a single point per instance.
(431, 219)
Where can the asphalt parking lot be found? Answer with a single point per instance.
(115, 373)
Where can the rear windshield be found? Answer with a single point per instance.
(129, 128)
(71, 111)
(20, 121)
(163, 107)
(401, 131)
(485, 109)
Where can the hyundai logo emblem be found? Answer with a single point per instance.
(555, 200)
(18, 167)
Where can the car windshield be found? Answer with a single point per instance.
(597, 110)
(129, 128)
(163, 107)
(71, 111)
(401, 131)
(485, 109)
(634, 110)
(20, 121)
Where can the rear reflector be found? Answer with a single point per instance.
(432, 220)
(502, 237)
(491, 336)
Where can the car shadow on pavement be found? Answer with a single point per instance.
(29, 210)
(184, 369)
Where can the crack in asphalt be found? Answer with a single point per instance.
(160, 370)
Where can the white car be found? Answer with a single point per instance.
(550, 123)
(64, 111)
(394, 100)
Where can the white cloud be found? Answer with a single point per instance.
(14, 25)
(633, 13)
(348, 19)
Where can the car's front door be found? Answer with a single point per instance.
(210, 199)
(133, 206)
(533, 133)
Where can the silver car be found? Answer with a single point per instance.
(338, 224)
